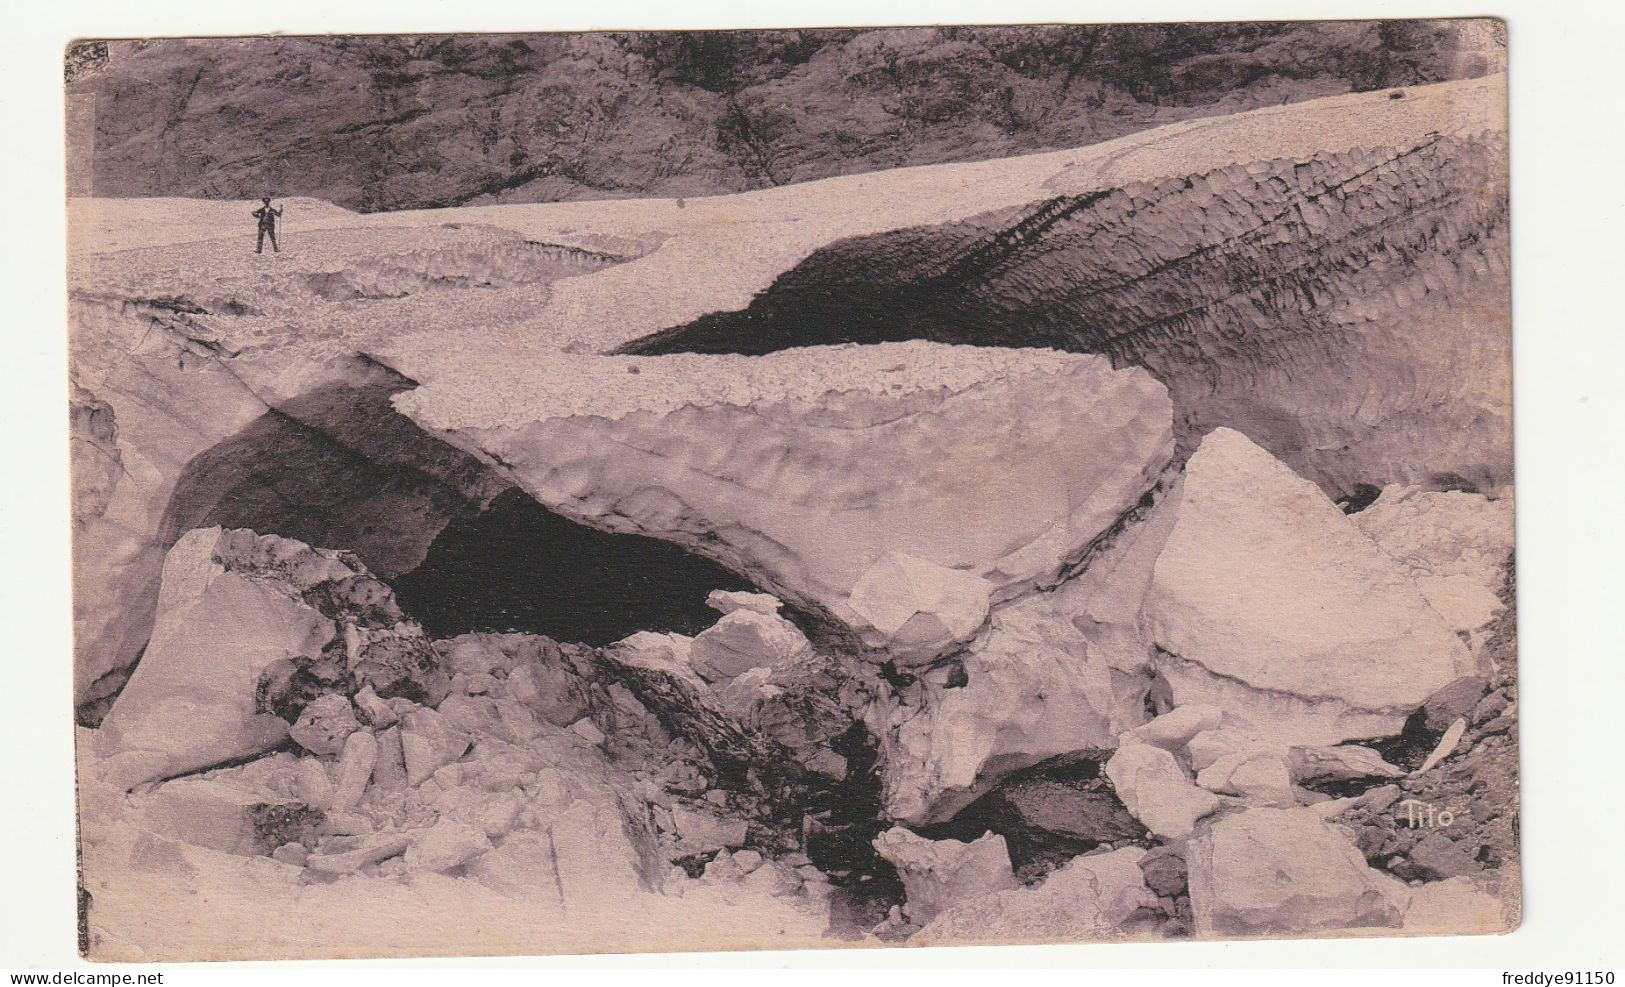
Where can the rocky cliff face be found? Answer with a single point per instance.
(401, 122)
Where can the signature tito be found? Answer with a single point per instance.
(1419, 814)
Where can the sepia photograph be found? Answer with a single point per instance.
(826, 488)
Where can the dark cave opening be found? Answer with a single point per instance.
(340, 468)
(838, 833)
(1048, 814)
(829, 301)
(1242, 323)
(336, 467)
(937, 283)
(1411, 746)
(517, 566)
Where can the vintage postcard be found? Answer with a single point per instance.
(801, 488)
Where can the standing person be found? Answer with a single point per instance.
(267, 215)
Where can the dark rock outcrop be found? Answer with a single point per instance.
(93, 448)
(1048, 814)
